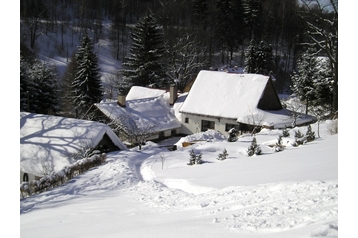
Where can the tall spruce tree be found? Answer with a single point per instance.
(38, 87)
(259, 58)
(144, 66)
(86, 86)
(312, 81)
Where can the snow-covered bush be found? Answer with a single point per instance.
(285, 132)
(310, 135)
(56, 179)
(333, 127)
(254, 148)
(232, 135)
(223, 155)
(195, 158)
(300, 139)
(279, 145)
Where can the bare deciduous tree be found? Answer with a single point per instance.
(134, 131)
(184, 60)
(255, 119)
(321, 24)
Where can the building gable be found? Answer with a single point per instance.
(269, 99)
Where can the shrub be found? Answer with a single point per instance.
(300, 139)
(254, 148)
(195, 158)
(232, 135)
(310, 135)
(279, 146)
(285, 132)
(223, 155)
(67, 173)
(333, 127)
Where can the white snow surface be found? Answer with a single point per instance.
(153, 193)
(49, 139)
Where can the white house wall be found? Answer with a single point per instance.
(194, 124)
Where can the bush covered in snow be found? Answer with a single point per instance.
(223, 155)
(254, 148)
(310, 135)
(279, 145)
(56, 179)
(195, 158)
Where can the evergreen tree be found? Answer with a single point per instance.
(66, 104)
(259, 58)
(312, 80)
(265, 63)
(310, 135)
(229, 25)
(253, 15)
(144, 66)
(200, 13)
(254, 148)
(38, 87)
(223, 155)
(250, 57)
(86, 86)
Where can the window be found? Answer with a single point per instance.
(228, 126)
(173, 132)
(205, 125)
(25, 177)
(161, 134)
(186, 120)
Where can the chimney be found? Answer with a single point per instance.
(121, 100)
(173, 94)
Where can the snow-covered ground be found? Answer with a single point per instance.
(153, 193)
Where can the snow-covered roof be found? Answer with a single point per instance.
(225, 95)
(46, 139)
(234, 96)
(144, 110)
(137, 92)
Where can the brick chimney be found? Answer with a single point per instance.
(121, 100)
(173, 94)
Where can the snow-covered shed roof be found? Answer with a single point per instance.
(47, 139)
(236, 96)
(146, 107)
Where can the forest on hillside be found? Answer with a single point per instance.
(158, 42)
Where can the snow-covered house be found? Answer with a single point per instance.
(48, 140)
(224, 100)
(148, 110)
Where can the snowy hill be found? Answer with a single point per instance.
(154, 193)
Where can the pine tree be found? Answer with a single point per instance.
(250, 57)
(223, 155)
(310, 135)
(253, 15)
(259, 58)
(229, 25)
(144, 66)
(265, 63)
(66, 104)
(195, 158)
(86, 87)
(38, 87)
(254, 148)
(279, 145)
(312, 80)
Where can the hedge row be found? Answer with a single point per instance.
(56, 179)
